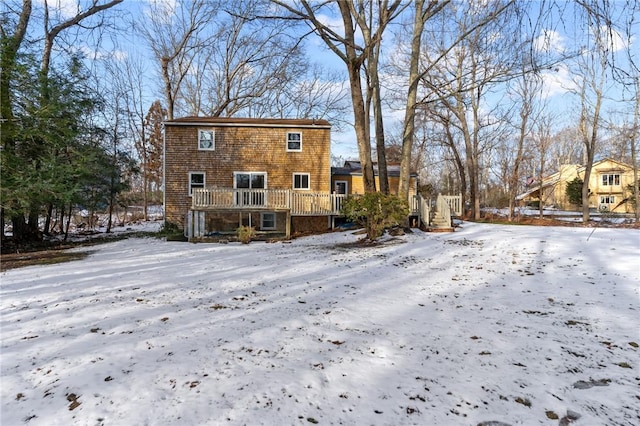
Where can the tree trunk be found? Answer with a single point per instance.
(377, 116)
(361, 124)
(47, 222)
(362, 128)
(412, 99)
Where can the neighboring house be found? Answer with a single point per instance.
(608, 187)
(271, 174)
(348, 179)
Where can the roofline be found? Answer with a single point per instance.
(250, 122)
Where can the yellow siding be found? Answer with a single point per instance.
(567, 173)
(356, 183)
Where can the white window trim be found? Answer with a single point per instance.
(268, 228)
(346, 186)
(287, 142)
(204, 181)
(235, 183)
(213, 139)
(612, 176)
(293, 181)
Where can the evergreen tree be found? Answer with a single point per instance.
(574, 191)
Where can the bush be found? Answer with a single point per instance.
(246, 234)
(172, 232)
(574, 191)
(375, 211)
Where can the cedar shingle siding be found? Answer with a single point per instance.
(242, 145)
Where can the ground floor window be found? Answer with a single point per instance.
(196, 180)
(607, 199)
(250, 181)
(340, 187)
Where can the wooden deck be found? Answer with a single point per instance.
(297, 203)
(430, 213)
(302, 203)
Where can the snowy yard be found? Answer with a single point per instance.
(513, 324)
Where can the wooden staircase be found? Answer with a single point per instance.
(439, 219)
(439, 222)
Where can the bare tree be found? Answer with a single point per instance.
(423, 11)
(460, 78)
(591, 71)
(633, 141)
(53, 30)
(543, 141)
(314, 92)
(356, 16)
(176, 35)
(527, 87)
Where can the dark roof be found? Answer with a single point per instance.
(248, 122)
(354, 167)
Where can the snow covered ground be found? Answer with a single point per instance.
(511, 324)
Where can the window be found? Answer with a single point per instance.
(301, 181)
(294, 141)
(607, 199)
(268, 221)
(206, 140)
(341, 187)
(196, 180)
(610, 179)
(252, 182)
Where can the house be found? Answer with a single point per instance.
(608, 187)
(348, 178)
(271, 174)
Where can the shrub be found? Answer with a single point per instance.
(375, 211)
(574, 191)
(246, 234)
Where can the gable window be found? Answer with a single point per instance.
(196, 180)
(301, 181)
(294, 141)
(206, 140)
(610, 179)
(268, 221)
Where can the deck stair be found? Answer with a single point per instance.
(439, 217)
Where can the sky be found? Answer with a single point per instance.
(561, 35)
(490, 324)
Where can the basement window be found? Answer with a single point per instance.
(268, 221)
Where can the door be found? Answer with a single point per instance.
(251, 184)
(341, 187)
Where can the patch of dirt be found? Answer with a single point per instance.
(45, 257)
(550, 221)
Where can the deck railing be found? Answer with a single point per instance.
(298, 203)
(455, 203)
(444, 209)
